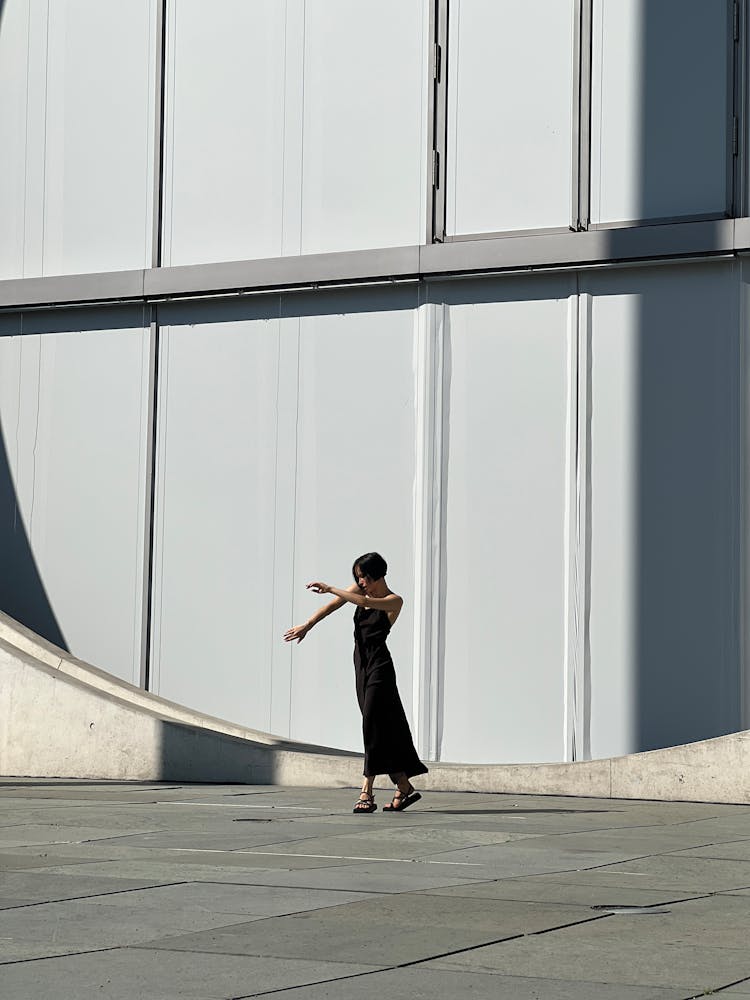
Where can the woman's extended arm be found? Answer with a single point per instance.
(299, 632)
(392, 602)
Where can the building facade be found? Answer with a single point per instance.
(461, 281)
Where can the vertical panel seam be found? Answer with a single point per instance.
(275, 516)
(294, 508)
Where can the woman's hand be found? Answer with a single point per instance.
(319, 588)
(298, 632)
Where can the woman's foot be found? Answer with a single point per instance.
(365, 804)
(402, 799)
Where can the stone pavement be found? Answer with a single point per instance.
(123, 890)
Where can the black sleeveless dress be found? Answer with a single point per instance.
(389, 748)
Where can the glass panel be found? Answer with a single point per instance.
(660, 111)
(510, 100)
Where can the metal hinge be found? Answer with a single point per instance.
(435, 169)
(437, 54)
(736, 20)
(735, 135)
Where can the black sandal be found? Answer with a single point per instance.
(365, 805)
(401, 801)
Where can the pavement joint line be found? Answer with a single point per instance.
(97, 895)
(67, 954)
(719, 989)
(317, 982)
(331, 857)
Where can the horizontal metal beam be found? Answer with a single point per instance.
(511, 254)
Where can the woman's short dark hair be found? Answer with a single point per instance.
(371, 564)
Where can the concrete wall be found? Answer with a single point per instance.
(61, 718)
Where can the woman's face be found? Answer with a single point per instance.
(363, 581)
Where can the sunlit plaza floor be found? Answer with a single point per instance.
(158, 891)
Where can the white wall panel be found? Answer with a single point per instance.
(294, 128)
(354, 493)
(510, 80)
(72, 479)
(77, 135)
(659, 126)
(99, 136)
(365, 124)
(214, 535)
(286, 449)
(506, 364)
(14, 55)
(664, 508)
(225, 122)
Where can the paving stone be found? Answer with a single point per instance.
(637, 842)
(426, 984)
(521, 858)
(50, 928)
(545, 889)
(53, 834)
(125, 974)
(698, 944)
(384, 876)
(20, 860)
(389, 930)
(220, 898)
(670, 872)
(738, 850)
(487, 867)
(42, 887)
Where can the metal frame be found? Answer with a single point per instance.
(582, 62)
(148, 535)
(160, 91)
(153, 346)
(525, 254)
(582, 42)
(438, 118)
(739, 83)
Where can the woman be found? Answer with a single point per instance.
(388, 744)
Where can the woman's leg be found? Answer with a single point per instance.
(366, 801)
(405, 793)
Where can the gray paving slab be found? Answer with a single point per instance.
(222, 898)
(579, 957)
(166, 871)
(426, 984)
(114, 851)
(378, 877)
(23, 860)
(696, 944)
(667, 872)
(50, 928)
(384, 843)
(54, 834)
(388, 930)
(738, 850)
(636, 842)
(42, 887)
(233, 840)
(194, 889)
(521, 858)
(540, 890)
(125, 974)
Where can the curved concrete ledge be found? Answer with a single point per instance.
(60, 717)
